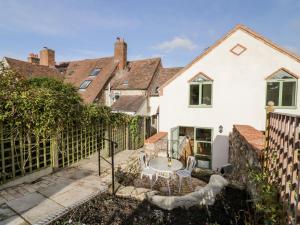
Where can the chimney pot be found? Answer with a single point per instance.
(33, 58)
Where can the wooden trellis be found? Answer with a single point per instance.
(22, 154)
(282, 159)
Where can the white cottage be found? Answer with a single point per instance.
(230, 83)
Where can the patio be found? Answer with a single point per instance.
(55, 193)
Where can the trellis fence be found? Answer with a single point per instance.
(282, 159)
(22, 154)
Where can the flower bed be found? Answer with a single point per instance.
(107, 209)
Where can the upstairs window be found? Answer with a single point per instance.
(200, 91)
(282, 89)
(95, 72)
(85, 84)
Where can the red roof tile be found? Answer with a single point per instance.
(137, 76)
(29, 70)
(128, 103)
(78, 71)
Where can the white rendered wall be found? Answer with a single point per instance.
(239, 91)
(123, 92)
(153, 105)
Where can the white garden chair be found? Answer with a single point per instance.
(145, 169)
(167, 176)
(187, 172)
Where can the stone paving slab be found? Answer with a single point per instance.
(14, 220)
(30, 203)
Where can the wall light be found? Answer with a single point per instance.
(220, 129)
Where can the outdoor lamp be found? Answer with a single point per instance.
(220, 129)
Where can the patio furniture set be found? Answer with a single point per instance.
(166, 168)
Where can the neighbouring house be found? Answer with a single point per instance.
(128, 86)
(43, 66)
(229, 83)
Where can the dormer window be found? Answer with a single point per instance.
(95, 72)
(85, 84)
(200, 91)
(282, 89)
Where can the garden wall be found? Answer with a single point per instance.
(245, 151)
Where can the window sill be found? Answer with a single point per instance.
(200, 106)
(283, 107)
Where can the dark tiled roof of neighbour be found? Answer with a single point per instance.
(78, 71)
(138, 75)
(28, 70)
(163, 76)
(128, 103)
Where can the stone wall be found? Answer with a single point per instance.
(245, 151)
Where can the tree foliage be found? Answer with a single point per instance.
(46, 106)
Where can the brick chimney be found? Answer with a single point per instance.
(47, 57)
(33, 58)
(121, 53)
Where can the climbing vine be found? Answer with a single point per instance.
(47, 106)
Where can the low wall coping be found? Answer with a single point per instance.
(156, 137)
(253, 137)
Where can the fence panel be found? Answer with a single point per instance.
(21, 154)
(283, 159)
(76, 143)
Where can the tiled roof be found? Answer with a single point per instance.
(128, 103)
(163, 76)
(78, 71)
(138, 75)
(28, 70)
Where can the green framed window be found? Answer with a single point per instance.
(203, 147)
(200, 93)
(282, 89)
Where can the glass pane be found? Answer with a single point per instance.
(203, 148)
(95, 72)
(200, 78)
(85, 84)
(281, 74)
(203, 161)
(206, 94)
(194, 94)
(273, 92)
(288, 93)
(203, 134)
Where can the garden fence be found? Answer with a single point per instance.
(22, 154)
(282, 159)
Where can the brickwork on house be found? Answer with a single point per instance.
(47, 57)
(121, 53)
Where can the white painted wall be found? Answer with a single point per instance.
(239, 91)
(123, 92)
(153, 105)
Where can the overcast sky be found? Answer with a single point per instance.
(176, 30)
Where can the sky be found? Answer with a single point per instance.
(175, 30)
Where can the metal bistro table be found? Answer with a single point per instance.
(160, 165)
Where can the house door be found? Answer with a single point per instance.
(174, 141)
(203, 147)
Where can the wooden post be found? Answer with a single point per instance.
(127, 136)
(2, 154)
(54, 152)
(107, 145)
(269, 109)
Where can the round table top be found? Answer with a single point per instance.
(161, 164)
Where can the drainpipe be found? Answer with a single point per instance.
(109, 95)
